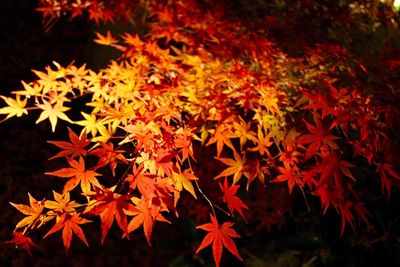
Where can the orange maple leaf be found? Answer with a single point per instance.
(289, 174)
(69, 223)
(108, 155)
(110, 205)
(105, 40)
(222, 137)
(74, 148)
(133, 40)
(33, 212)
(144, 182)
(77, 174)
(219, 236)
(144, 214)
(263, 142)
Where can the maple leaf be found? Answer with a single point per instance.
(220, 236)
(34, 90)
(69, 223)
(184, 143)
(144, 214)
(75, 148)
(133, 40)
(289, 157)
(53, 112)
(105, 40)
(182, 181)
(222, 137)
(346, 215)
(320, 102)
(243, 131)
(236, 167)
(291, 138)
(385, 170)
(77, 174)
(110, 205)
(92, 125)
(142, 133)
(270, 101)
(362, 212)
(289, 174)
(164, 161)
(108, 155)
(253, 170)
(318, 139)
(16, 107)
(229, 197)
(144, 182)
(263, 142)
(33, 212)
(96, 12)
(22, 241)
(62, 204)
(333, 167)
(328, 196)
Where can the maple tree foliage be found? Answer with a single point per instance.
(200, 79)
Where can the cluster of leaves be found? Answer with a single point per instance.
(202, 79)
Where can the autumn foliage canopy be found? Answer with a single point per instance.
(198, 116)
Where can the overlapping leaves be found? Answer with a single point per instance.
(228, 91)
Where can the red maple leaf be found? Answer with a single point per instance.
(230, 198)
(318, 102)
(346, 215)
(333, 167)
(75, 148)
(385, 170)
(318, 138)
(23, 242)
(220, 236)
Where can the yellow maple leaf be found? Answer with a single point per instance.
(53, 112)
(92, 125)
(182, 181)
(30, 90)
(16, 107)
(61, 204)
(235, 169)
